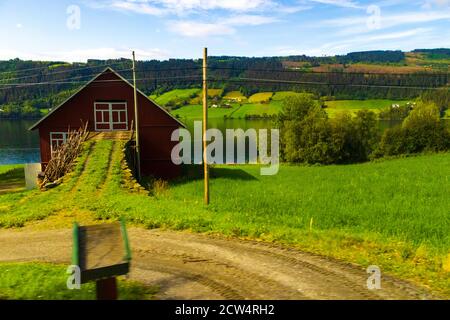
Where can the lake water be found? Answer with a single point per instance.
(19, 145)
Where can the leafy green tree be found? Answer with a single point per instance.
(422, 130)
(290, 121)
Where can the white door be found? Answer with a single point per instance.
(110, 116)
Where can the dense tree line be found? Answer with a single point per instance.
(377, 56)
(250, 75)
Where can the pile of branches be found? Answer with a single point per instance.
(63, 157)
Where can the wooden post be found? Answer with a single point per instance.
(136, 121)
(205, 125)
(107, 289)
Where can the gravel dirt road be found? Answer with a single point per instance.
(195, 266)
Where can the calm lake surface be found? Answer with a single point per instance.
(19, 145)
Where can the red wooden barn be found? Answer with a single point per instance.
(106, 103)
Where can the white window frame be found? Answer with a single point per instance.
(110, 111)
(58, 140)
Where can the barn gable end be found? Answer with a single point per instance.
(107, 103)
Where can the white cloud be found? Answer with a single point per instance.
(358, 24)
(181, 7)
(384, 41)
(199, 29)
(82, 55)
(428, 4)
(137, 7)
(388, 21)
(248, 20)
(340, 3)
(225, 26)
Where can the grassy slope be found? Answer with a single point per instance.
(12, 178)
(260, 97)
(175, 95)
(281, 95)
(253, 105)
(23, 281)
(393, 213)
(235, 95)
(8, 167)
(447, 114)
(237, 111)
(353, 106)
(362, 104)
(275, 106)
(196, 112)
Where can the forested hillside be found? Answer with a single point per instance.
(31, 88)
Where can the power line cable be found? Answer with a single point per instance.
(21, 85)
(61, 72)
(330, 72)
(323, 83)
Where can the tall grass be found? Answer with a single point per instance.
(42, 281)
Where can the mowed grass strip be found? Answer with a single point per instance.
(43, 281)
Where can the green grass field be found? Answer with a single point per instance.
(336, 107)
(258, 109)
(281, 95)
(260, 97)
(42, 281)
(12, 178)
(259, 105)
(192, 112)
(392, 213)
(235, 95)
(238, 111)
(215, 92)
(362, 104)
(447, 114)
(175, 95)
(9, 167)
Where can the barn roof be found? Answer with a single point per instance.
(34, 126)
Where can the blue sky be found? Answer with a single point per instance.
(160, 29)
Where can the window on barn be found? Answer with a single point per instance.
(110, 116)
(56, 140)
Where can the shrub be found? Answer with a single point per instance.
(421, 131)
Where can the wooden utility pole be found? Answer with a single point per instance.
(136, 121)
(205, 124)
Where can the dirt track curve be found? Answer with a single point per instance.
(194, 266)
